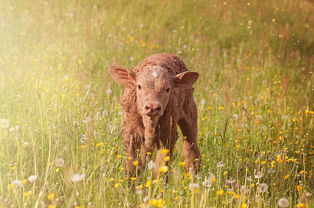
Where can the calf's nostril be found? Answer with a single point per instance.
(147, 107)
(158, 108)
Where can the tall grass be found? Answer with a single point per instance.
(60, 115)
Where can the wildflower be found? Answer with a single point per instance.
(59, 162)
(220, 192)
(235, 116)
(243, 205)
(194, 187)
(259, 175)
(212, 178)
(116, 185)
(4, 123)
(148, 183)
(283, 202)
(207, 183)
(151, 165)
(286, 176)
(237, 196)
(14, 129)
(17, 183)
(309, 112)
(78, 177)
(157, 203)
(262, 187)
(221, 164)
(51, 206)
(10, 186)
(109, 91)
(230, 192)
(27, 194)
(163, 169)
(300, 205)
(32, 178)
(167, 158)
(133, 178)
(299, 188)
(51, 196)
(135, 163)
(100, 144)
(181, 164)
(164, 151)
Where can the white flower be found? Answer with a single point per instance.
(32, 178)
(59, 162)
(235, 116)
(4, 123)
(17, 183)
(193, 186)
(77, 177)
(14, 129)
(151, 165)
(221, 164)
(203, 102)
(109, 91)
(244, 189)
(207, 183)
(262, 187)
(259, 175)
(283, 202)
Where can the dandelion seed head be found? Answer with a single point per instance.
(4, 123)
(32, 178)
(59, 162)
(283, 203)
(78, 177)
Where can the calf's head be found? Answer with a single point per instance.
(154, 86)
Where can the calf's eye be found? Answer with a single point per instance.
(139, 87)
(168, 89)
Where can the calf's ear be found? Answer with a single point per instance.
(185, 79)
(122, 74)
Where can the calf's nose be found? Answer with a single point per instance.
(152, 108)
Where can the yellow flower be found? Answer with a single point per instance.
(299, 188)
(13, 168)
(220, 192)
(83, 146)
(231, 193)
(133, 178)
(135, 163)
(237, 196)
(167, 158)
(163, 169)
(300, 205)
(181, 164)
(243, 205)
(100, 144)
(51, 196)
(27, 194)
(148, 183)
(116, 185)
(213, 180)
(51, 206)
(286, 176)
(157, 203)
(164, 151)
(263, 162)
(10, 186)
(221, 107)
(309, 112)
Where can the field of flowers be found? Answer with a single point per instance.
(60, 117)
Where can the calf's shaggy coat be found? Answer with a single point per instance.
(158, 96)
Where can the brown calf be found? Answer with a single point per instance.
(158, 96)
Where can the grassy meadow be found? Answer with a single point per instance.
(60, 117)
